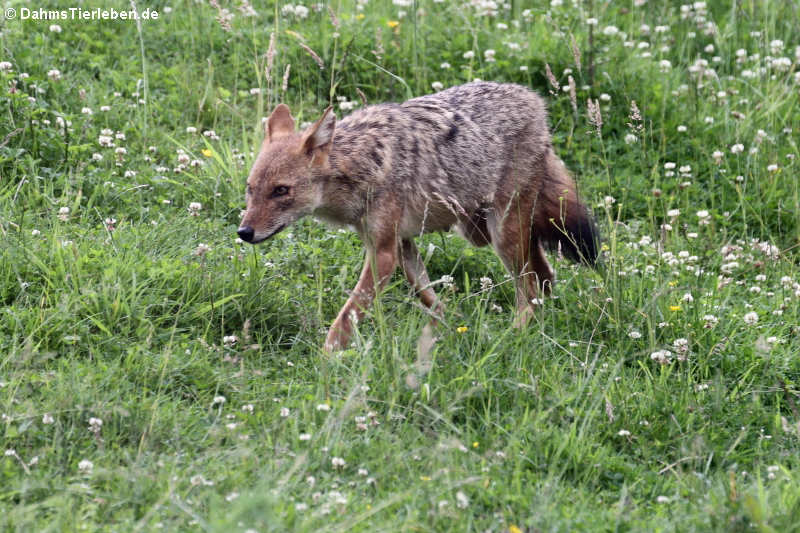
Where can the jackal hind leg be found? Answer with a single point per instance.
(511, 238)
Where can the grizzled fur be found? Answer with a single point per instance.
(477, 158)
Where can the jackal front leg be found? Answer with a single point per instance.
(417, 276)
(377, 271)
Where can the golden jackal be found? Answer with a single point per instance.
(477, 157)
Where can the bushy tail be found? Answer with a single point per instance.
(562, 221)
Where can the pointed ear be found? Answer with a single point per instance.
(280, 123)
(320, 135)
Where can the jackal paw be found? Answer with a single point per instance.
(337, 339)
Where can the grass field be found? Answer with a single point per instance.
(156, 374)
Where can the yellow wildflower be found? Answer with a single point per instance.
(514, 529)
(393, 23)
(674, 307)
(462, 329)
(207, 152)
(360, 16)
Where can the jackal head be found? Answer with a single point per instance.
(284, 183)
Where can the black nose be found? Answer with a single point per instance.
(246, 233)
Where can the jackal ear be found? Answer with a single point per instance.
(280, 123)
(320, 134)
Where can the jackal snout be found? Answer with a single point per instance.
(246, 233)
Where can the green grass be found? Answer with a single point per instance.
(571, 424)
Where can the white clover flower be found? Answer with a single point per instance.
(662, 357)
(86, 466)
(437, 86)
(323, 407)
(678, 343)
(750, 318)
(630, 138)
(737, 148)
(447, 281)
(218, 400)
(469, 54)
(230, 340)
(284, 412)
(610, 30)
(462, 501)
(337, 462)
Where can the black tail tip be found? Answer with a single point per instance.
(581, 243)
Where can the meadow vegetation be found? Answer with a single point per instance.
(156, 374)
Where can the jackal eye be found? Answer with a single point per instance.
(280, 190)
